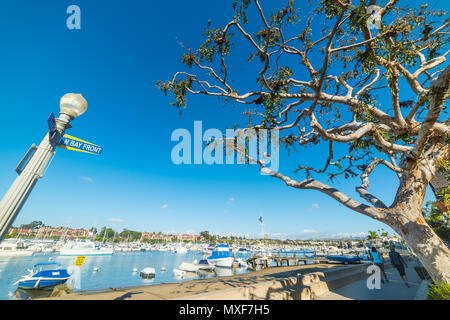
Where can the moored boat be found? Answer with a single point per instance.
(179, 273)
(44, 275)
(189, 267)
(84, 248)
(204, 265)
(221, 257)
(181, 249)
(148, 273)
(345, 258)
(14, 249)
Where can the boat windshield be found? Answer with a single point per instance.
(47, 266)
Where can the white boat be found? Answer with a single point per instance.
(14, 249)
(84, 248)
(221, 257)
(242, 263)
(179, 273)
(204, 265)
(181, 249)
(148, 273)
(189, 267)
(267, 260)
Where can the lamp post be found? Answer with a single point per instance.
(71, 106)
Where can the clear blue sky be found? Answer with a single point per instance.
(122, 49)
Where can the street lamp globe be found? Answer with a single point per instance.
(73, 104)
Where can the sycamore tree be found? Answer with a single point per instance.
(379, 89)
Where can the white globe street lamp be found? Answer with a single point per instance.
(73, 104)
(32, 166)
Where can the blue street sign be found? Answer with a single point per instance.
(75, 144)
(51, 124)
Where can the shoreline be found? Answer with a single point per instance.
(178, 290)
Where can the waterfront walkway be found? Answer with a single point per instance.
(336, 282)
(395, 289)
(180, 290)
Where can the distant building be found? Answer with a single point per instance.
(155, 236)
(188, 237)
(51, 232)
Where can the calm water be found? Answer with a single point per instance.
(115, 271)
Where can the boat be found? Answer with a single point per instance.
(203, 264)
(84, 248)
(221, 257)
(148, 273)
(179, 273)
(243, 250)
(181, 249)
(43, 276)
(242, 263)
(346, 259)
(14, 249)
(189, 267)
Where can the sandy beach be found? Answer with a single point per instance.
(167, 291)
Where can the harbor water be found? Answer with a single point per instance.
(114, 271)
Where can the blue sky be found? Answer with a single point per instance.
(122, 49)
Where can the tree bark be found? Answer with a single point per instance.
(423, 241)
(406, 218)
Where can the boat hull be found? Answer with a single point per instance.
(189, 267)
(16, 254)
(81, 252)
(43, 283)
(344, 259)
(222, 262)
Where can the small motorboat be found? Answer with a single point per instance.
(242, 263)
(345, 259)
(205, 265)
(148, 273)
(221, 257)
(189, 267)
(179, 273)
(43, 276)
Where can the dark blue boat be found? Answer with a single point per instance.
(345, 259)
(44, 276)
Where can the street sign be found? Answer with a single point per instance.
(80, 261)
(51, 124)
(75, 144)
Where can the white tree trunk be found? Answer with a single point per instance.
(406, 218)
(429, 248)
